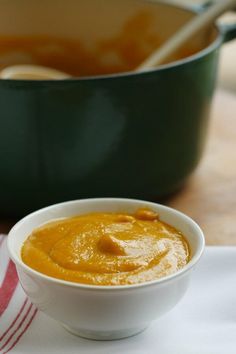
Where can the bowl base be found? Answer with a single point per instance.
(104, 335)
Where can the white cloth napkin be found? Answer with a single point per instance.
(204, 322)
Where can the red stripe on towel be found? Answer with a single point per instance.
(24, 319)
(14, 321)
(8, 287)
(21, 334)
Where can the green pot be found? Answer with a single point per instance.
(136, 135)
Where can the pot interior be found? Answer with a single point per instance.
(91, 37)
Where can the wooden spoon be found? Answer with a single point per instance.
(183, 35)
(32, 72)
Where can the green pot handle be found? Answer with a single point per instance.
(228, 30)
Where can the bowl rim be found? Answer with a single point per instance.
(195, 258)
(126, 74)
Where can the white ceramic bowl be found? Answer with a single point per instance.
(104, 312)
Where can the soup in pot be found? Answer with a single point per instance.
(71, 57)
(92, 37)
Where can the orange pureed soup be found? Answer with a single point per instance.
(70, 56)
(107, 248)
(121, 53)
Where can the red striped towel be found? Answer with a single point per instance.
(16, 311)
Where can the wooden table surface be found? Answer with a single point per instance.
(209, 196)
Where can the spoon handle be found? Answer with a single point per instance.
(186, 33)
